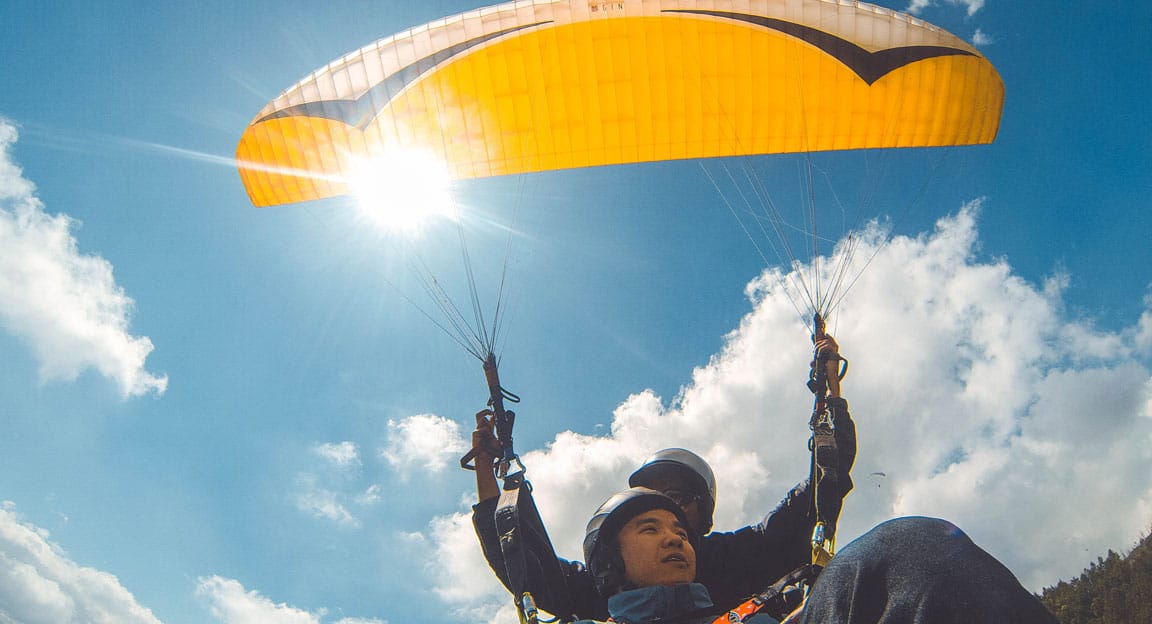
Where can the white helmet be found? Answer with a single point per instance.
(600, 554)
(684, 467)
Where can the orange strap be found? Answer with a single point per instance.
(740, 613)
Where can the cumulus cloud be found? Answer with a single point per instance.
(973, 392)
(971, 6)
(64, 304)
(453, 553)
(333, 488)
(230, 603)
(981, 38)
(425, 442)
(39, 584)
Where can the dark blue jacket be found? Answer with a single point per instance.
(660, 603)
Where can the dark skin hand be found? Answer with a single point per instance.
(484, 440)
(827, 345)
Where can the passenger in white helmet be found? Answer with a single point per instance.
(642, 556)
(904, 571)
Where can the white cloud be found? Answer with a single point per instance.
(371, 496)
(65, 305)
(229, 603)
(981, 38)
(335, 489)
(343, 454)
(425, 442)
(323, 502)
(1142, 333)
(971, 6)
(972, 391)
(473, 594)
(39, 584)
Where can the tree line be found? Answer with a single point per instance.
(1116, 589)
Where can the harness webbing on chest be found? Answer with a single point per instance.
(528, 553)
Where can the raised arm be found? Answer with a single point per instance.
(577, 589)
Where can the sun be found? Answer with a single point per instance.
(402, 189)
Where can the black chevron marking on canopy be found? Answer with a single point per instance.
(361, 111)
(870, 66)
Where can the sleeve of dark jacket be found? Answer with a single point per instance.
(738, 564)
(582, 595)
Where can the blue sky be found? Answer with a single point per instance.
(214, 413)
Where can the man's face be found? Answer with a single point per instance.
(655, 549)
(677, 490)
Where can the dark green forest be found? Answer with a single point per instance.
(1115, 589)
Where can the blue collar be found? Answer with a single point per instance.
(640, 606)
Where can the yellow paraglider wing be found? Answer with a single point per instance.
(532, 86)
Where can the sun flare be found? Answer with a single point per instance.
(401, 190)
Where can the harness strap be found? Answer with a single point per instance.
(825, 460)
(528, 553)
(776, 602)
(824, 481)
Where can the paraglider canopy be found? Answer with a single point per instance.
(540, 85)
